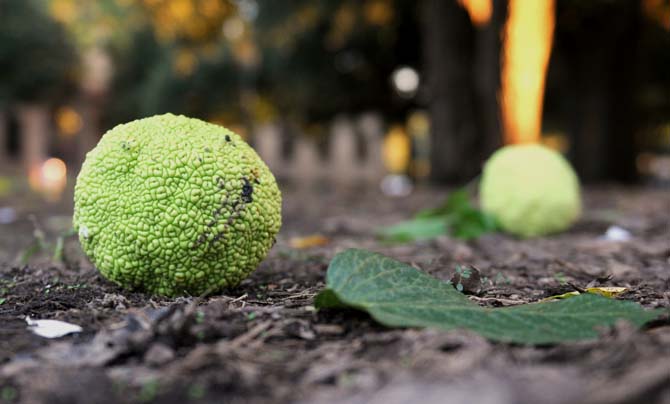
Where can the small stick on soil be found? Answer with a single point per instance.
(251, 334)
(237, 299)
(301, 294)
(504, 302)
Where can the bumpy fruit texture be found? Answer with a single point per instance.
(531, 190)
(173, 205)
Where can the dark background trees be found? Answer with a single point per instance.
(300, 64)
(38, 65)
(597, 47)
(605, 87)
(462, 68)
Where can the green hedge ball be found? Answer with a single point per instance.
(173, 205)
(531, 190)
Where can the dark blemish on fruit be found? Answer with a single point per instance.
(216, 214)
(236, 206)
(247, 191)
(218, 237)
(237, 211)
(201, 239)
(227, 138)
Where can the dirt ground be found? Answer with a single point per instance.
(264, 342)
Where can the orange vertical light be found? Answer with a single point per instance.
(479, 10)
(528, 38)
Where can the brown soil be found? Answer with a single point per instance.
(264, 341)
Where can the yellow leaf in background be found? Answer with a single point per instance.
(563, 296)
(5, 186)
(314, 240)
(397, 150)
(607, 291)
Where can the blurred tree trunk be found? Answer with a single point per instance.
(603, 63)
(448, 46)
(90, 107)
(4, 130)
(287, 135)
(97, 72)
(487, 80)
(463, 77)
(33, 120)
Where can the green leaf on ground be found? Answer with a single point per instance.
(328, 298)
(415, 229)
(457, 201)
(398, 295)
(457, 216)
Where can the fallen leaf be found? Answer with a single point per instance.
(607, 291)
(398, 295)
(52, 328)
(315, 240)
(561, 296)
(423, 228)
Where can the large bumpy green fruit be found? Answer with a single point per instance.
(173, 205)
(531, 190)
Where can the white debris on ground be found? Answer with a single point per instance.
(7, 215)
(52, 328)
(616, 233)
(396, 186)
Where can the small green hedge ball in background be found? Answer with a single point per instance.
(531, 190)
